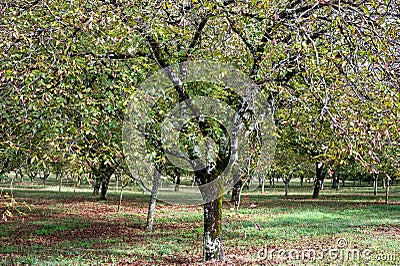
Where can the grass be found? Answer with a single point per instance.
(67, 228)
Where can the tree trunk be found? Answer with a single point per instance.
(45, 176)
(177, 182)
(96, 186)
(120, 198)
(236, 191)
(19, 172)
(271, 182)
(60, 184)
(375, 179)
(335, 182)
(212, 230)
(32, 176)
(301, 180)
(263, 184)
(3, 167)
(153, 199)
(103, 175)
(319, 179)
(104, 187)
(338, 183)
(387, 190)
(286, 187)
(11, 187)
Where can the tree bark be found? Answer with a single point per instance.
(4, 166)
(44, 178)
(103, 175)
(120, 197)
(375, 179)
(104, 186)
(32, 176)
(387, 191)
(60, 184)
(116, 182)
(177, 182)
(271, 182)
(212, 242)
(212, 230)
(96, 186)
(19, 172)
(263, 184)
(286, 187)
(153, 199)
(338, 182)
(335, 182)
(319, 179)
(236, 191)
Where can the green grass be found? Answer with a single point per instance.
(70, 228)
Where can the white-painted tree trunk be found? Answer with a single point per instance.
(212, 230)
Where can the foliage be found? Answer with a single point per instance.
(67, 69)
(9, 207)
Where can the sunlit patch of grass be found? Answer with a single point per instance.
(62, 261)
(27, 261)
(324, 221)
(111, 240)
(150, 251)
(8, 249)
(49, 227)
(82, 244)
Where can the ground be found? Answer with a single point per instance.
(346, 227)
